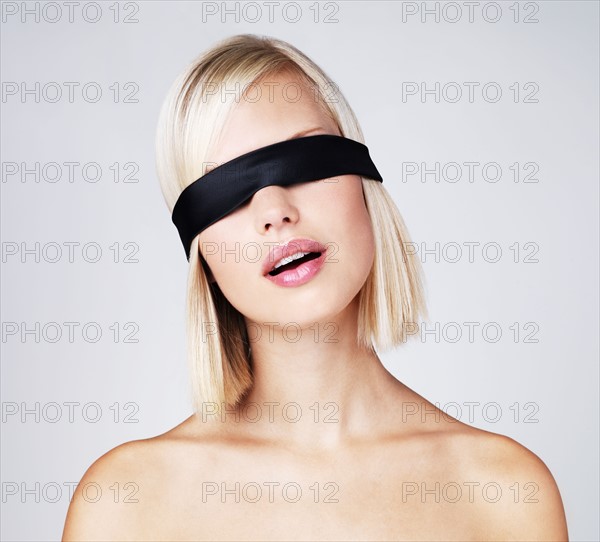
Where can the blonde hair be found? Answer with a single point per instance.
(190, 120)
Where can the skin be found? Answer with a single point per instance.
(365, 438)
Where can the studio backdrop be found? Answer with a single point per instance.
(482, 117)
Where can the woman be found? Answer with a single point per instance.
(299, 431)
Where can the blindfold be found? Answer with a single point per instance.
(230, 185)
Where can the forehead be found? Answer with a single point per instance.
(275, 109)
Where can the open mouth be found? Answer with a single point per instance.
(295, 263)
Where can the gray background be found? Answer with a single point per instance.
(369, 51)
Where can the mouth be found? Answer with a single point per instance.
(296, 260)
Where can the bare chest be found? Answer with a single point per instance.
(317, 504)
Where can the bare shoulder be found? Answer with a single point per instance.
(505, 489)
(117, 494)
(513, 491)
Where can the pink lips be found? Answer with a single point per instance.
(300, 274)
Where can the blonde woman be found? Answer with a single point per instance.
(299, 432)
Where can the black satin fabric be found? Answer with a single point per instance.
(299, 160)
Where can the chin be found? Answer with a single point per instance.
(327, 308)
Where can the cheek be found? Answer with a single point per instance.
(361, 241)
(344, 218)
(232, 260)
(343, 206)
(222, 249)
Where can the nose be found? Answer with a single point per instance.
(273, 208)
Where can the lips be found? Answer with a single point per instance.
(290, 248)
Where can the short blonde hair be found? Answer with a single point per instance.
(190, 120)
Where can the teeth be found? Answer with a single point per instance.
(289, 259)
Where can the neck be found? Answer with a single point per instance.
(315, 385)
